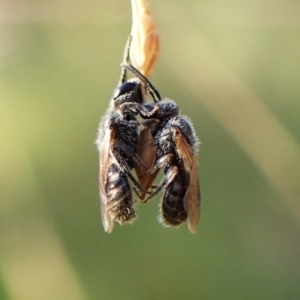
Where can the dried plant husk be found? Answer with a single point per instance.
(145, 39)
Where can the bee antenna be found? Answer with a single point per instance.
(149, 87)
(125, 60)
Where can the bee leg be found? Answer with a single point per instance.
(137, 193)
(126, 122)
(136, 183)
(140, 196)
(162, 163)
(128, 106)
(138, 161)
(168, 178)
(132, 122)
(121, 162)
(147, 114)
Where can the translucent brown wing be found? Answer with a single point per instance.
(105, 142)
(192, 196)
(146, 150)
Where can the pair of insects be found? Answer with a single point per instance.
(167, 142)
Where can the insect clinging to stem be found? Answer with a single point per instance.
(168, 141)
(117, 144)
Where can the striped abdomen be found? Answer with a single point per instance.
(172, 209)
(119, 195)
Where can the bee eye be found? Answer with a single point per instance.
(125, 88)
(147, 107)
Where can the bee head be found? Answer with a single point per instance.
(168, 108)
(129, 91)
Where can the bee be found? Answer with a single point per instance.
(117, 142)
(169, 142)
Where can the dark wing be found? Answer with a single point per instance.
(146, 151)
(105, 142)
(192, 196)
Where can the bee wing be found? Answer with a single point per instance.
(192, 196)
(146, 150)
(104, 162)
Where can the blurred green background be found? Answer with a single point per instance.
(234, 69)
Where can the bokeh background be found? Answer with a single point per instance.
(234, 69)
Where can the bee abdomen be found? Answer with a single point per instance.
(172, 209)
(119, 196)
